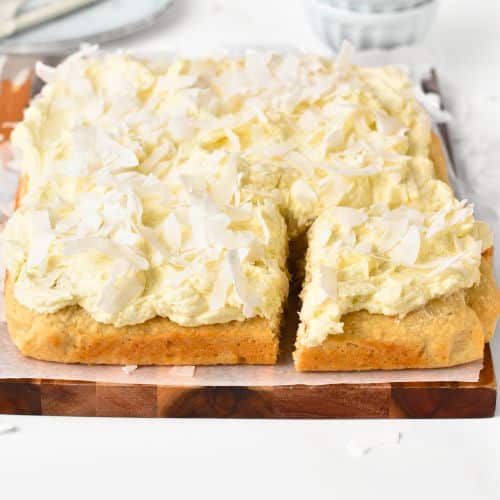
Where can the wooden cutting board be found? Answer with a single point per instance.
(390, 400)
(397, 400)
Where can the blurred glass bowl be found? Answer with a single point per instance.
(375, 5)
(373, 29)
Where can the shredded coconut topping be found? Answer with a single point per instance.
(386, 262)
(162, 188)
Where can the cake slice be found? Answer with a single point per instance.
(71, 335)
(394, 289)
(218, 268)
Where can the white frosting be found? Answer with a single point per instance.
(160, 188)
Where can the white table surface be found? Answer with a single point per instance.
(50, 457)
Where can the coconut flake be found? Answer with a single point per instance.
(159, 153)
(367, 171)
(7, 428)
(124, 237)
(394, 232)
(218, 233)
(437, 225)
(308, 120)
(257, 69)
(175, 278)
(349, 217)
(265, 228)
(244, 292)
(358, 448)
(172, 232)
(344, 57)
(224, 188)
(288, 70)
(333, 139)
(460, 214)
(234, 140)
(442, 265)
(299, 160)
(181, 128)
(173, 83)
(197, 226)
(158, 251)
(121, 288)
(222, 283)
(21, 77)
(275, 150)
(107, 247)
(128, 369)
(42, 237)
(303, 193)
(46, 73)
(407, 250)
(112, 153)
(387, 125)
(328, 281)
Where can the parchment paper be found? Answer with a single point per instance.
(14, 365)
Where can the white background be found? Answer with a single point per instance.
(141, 459)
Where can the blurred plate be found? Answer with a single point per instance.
(105, 21)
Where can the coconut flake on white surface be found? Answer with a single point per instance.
(362, 446)
(6, 428)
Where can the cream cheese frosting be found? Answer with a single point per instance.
(127, 247)
(170, 188)
(386, 262)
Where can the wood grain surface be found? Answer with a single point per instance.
(396, 400)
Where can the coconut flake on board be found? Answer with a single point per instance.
(129, 369)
